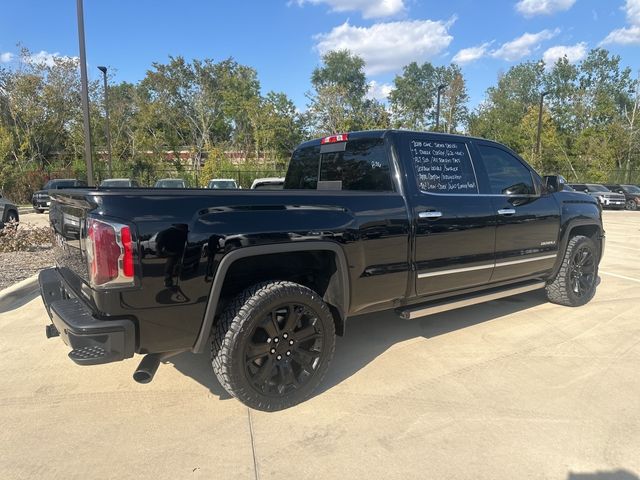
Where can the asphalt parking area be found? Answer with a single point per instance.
(515, 388)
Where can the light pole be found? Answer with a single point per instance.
(106, 111)
(542, 95)
(440, 89)
(84, 94)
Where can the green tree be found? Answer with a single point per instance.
(338, 103)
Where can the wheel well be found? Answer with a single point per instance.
(317, 270)
(591, 231)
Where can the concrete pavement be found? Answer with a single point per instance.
(516, 388)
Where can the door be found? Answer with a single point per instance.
(454, 226)
(527, 221)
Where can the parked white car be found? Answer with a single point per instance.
(223, 184)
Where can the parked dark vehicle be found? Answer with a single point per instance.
(415, 222)
(631, 194)
(170, 183)
(602, 194)
(8, 211)
(119, 183)
(41, 199)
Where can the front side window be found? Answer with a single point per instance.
(507, 174)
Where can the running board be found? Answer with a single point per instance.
(472, 299)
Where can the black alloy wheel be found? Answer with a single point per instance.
(272, 345)
(582, 272)
(284, 350)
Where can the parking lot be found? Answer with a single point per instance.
(515, 388)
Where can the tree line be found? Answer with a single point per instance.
(209, 108)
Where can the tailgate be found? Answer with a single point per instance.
(68, 215)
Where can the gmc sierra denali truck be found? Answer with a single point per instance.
(367, 221)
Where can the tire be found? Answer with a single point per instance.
(12, 216)
(39, 210)
(273, 344)
(631, 205)
(575, 283)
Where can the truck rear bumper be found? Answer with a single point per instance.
(93, 341)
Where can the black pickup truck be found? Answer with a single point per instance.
(367, 221)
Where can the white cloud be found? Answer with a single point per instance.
(632, 7)
(387, 47)
(624, 36)
(379, 91)
(574, 53)
(47, 58)
(6, 57)
(523, 45)
(471, 54)
(627, 35)
(369, 8)
(531, 8)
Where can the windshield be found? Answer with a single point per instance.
(170, 184)
(597, 188)
(631, 189)
(54, 184)
(223, 184)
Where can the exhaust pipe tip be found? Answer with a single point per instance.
(147, 368)
(149, 365)
(142, 376)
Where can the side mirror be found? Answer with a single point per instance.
(553, 183)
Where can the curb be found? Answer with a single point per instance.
(24, 210)
(15, 292)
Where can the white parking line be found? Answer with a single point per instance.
(620, 276)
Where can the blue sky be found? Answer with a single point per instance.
(283, 39)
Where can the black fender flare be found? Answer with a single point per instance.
(566, 235)
(231, 257)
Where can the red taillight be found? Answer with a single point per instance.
(343, 137)
(109, 254)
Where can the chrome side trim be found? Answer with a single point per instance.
(445, 306)
(455, 270)
(525, 260)
(482, 267)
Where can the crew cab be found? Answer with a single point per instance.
(413, 222)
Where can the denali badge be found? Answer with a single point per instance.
(544, 244)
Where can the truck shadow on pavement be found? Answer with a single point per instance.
(368, 336)
(610, 475)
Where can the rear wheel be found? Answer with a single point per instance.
(575, 283)
(273, 344)
(12, 216)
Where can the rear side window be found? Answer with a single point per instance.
(361, 165)
(442, 167)
(507, 174)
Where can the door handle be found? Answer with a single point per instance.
(507, 211)
(431, 214)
